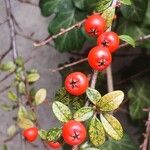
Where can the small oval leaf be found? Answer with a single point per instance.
(21, 88)
(112, 126)
(22, 112)
(25, 123)
(126, 2)
(128, 39)
(83, 114)
(11, 130)
(12, 96)
(53, 134)
(61, 111)
(40, 96)
(8, 66)
(93, 95)
(111, 101)
(96, 132)
(33, 77)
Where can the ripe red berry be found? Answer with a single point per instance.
(74, 132)
(54, 145)
(109, 40)
(76, 83)
(99, 58)
(30, 134)
(95, 25)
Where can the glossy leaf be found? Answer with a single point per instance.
(72, 40)
(108, 15)
(139, 98)
(42, 133)
(53, 134)
(12, 96)
(83, 114)
(25, 123)
(112, 126)
(79, 3)
(137, 10)
(19, 61)
(128, 39)
(111, 101)
(33, 77)
(96, 132)
(93, 95)
(102, 5)
(61, 111)
(40, 96)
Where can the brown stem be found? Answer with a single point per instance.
(145, 145)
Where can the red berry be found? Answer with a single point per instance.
(76, 83)
(95, 25)
(30, 134)
(109, 40)
(54, 145)
(74, 132)
(99, 58)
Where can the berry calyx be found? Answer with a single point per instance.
(99, 58)
(74, 132)
(76, 83)
(94, 25)
(109, 40)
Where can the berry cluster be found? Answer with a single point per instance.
(99, 58)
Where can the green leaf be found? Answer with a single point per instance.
(40, 96)
(112, 126)
(5, 107)
(61, 111)
(12, 96)
(72, 40)
(22, 112)
(49, 7)
(33, 77)
(19, 61)
(108, 15)
(126, 2)
(32, 115)
(111, 101)
(53, 134)
(93, 95)
(126, 143)
(79, 4)
(8, 66)
(137, 10)
(21, 88)
(103, 5)
(73, 102)
(25, 123)
(11, 130)
(139, 97)
(83, 114)
(42, 133)
(128, 39)
(96, 132)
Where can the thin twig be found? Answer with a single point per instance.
(28, 2)
(145, 145)
(9, 138)
(3, 55)
(85, 59)
(1, 23)
(63, 31)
